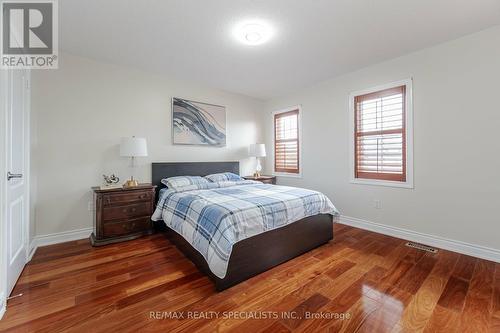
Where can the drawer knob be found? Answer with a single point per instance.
(129, 210)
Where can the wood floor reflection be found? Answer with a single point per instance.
(360, 282)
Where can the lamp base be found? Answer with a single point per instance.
(258, 169)
(131, 183)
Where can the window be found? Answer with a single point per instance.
(381, 135)
(286, 142)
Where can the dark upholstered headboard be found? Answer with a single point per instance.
(172, 169)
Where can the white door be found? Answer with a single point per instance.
(17, 159)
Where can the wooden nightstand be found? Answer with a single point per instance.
(264, 179)
(122, 214)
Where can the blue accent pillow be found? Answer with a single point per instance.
(223, 177)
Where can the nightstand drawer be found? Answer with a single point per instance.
(119, 198)
(113, 229)
(124, 212)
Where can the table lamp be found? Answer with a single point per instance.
(133, 147)
(257, 150)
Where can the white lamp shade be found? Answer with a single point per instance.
(257, 150)
(133, 147)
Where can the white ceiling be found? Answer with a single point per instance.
(314, 39)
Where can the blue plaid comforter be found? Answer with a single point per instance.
(212, 218)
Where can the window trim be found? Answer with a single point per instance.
(408, 135)
(301, 144)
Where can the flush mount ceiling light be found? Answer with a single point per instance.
(253, 32)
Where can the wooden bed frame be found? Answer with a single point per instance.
(253, 255)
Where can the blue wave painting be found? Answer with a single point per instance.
(196, 123)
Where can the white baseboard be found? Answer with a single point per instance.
(60, 237)
(31, 250)
(440, 242)
(3, 305)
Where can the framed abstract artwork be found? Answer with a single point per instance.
(196, 123)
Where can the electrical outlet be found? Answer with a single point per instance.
(377, 204)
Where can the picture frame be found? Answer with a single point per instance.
(198, 123)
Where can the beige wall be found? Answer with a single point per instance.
(85, 107)
(456, 139)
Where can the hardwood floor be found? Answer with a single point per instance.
(359, 282)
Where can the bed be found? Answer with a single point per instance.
(249, 256)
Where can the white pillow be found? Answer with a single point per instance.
(180, 181)
(223, 177)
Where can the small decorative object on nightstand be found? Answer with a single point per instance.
(122, 214)
(262, 178)
(110, 182)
